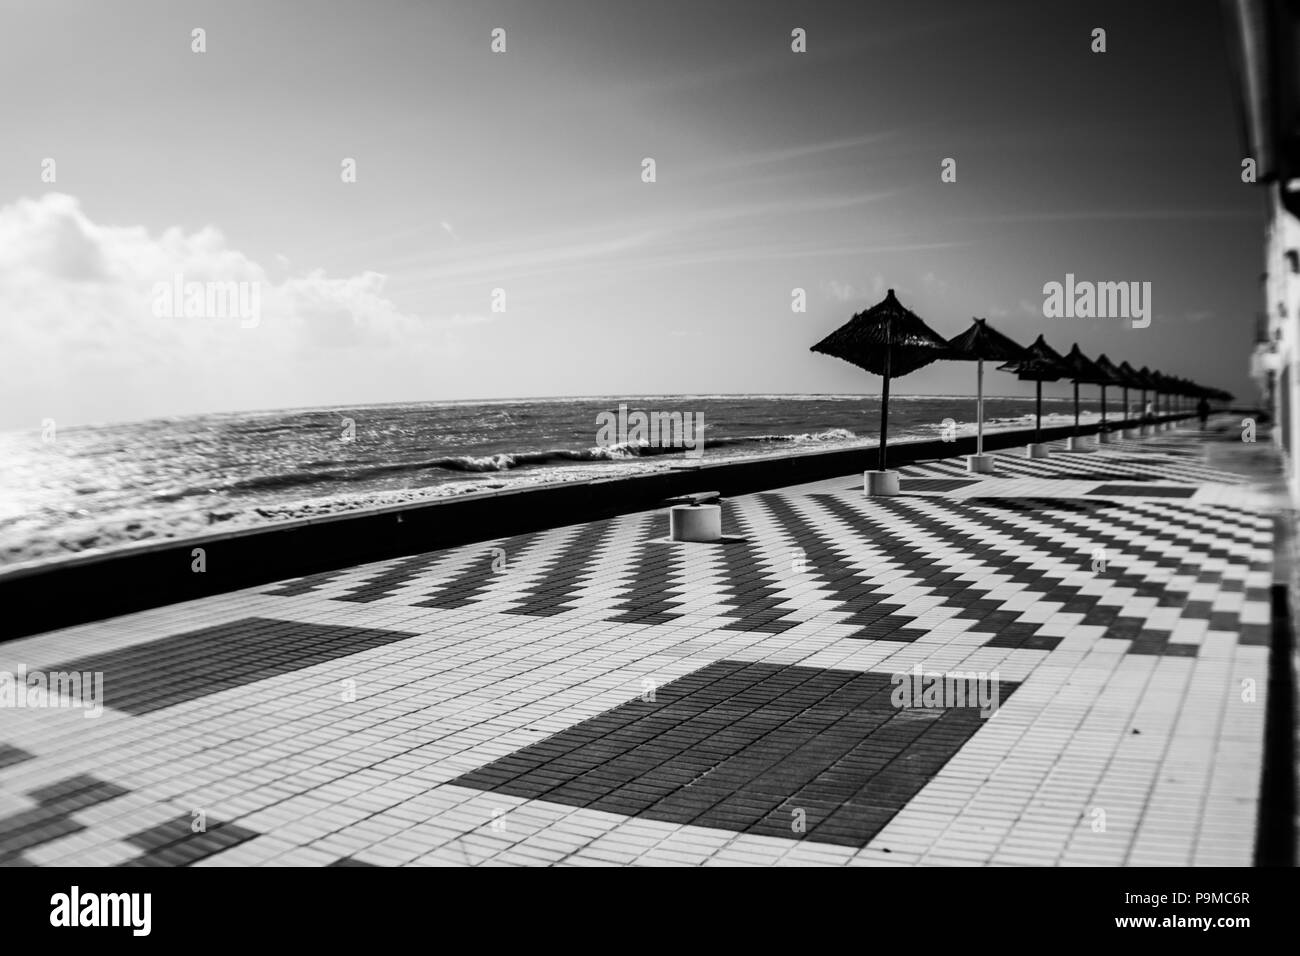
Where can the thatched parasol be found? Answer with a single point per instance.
(1041, 364)
(978, 344)
(1148, 383)
(1168, 387)
(1129, 378)
(1113, 377)
(888, 340)
(1079, 368)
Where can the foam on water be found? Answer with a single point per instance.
(102, 486)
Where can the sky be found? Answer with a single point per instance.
(522, 171)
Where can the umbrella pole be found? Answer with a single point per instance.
(979, 407)
(1038, 413)
(884, 392)
(1124, 417)
(1075, 433)
(884, 420)
(1103, 408)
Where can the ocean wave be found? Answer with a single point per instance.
(497, 462)
(802, 438)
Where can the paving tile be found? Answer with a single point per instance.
(604, 696)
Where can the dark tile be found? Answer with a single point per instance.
(147, 677)
(1135, 490)
(173, 843)
(741, 746)
(12, 755)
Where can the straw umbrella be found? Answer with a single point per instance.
(888, 340)
(1130, 379)
(1079, 368)
(1113, 377)
(1148, 382)
(1178, 387)
(978, 344)
(1040, 364)
(1164, 385)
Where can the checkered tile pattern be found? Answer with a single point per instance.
(554, 697)
(1000, 565)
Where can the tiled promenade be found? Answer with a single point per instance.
(593, 694)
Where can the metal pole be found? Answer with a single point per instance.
(979, 407)
(884, 396)
(1038, 418)
(1103, 408)
(1075, 433)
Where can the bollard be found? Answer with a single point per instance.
(880, 484)
(695, 523)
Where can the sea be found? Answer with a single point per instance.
(95, 488)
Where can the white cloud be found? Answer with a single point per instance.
(842, 291)
(78, 337)
(933, 282)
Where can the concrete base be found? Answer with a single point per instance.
(1037, 450)
(1077, 444)
(695, 523)
(880, 484)
(1104, 438)
(979, 464)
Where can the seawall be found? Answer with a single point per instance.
(73, 590)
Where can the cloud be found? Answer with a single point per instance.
(79, 335)
(934, 283)
(842, 291)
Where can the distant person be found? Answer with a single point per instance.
(1203, 411)
(1149, 413)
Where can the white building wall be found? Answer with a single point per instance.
(1282, 291)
